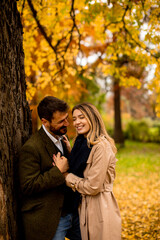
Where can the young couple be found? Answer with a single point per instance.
(68, 193)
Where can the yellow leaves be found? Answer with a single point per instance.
(137, 190)
(71, 71)
(105, 69)
(154, 85)
(108, 31)
(130, 81)
(31, 90)
(98, 26)
(138, 198)
(54, 88)
(121, 73)
(158, 107)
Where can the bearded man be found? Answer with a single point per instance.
(46, 213)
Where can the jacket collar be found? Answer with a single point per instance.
(50, 146)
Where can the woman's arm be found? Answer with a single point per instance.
(93, 183)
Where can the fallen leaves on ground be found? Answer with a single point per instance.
(138, 198)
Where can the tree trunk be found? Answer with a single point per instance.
(118, 133)
(15, 120)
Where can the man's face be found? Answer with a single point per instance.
(58, 124)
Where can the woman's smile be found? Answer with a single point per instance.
(80, 122)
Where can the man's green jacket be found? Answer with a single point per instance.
(42, 187)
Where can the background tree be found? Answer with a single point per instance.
(57, 60)
(15, 124)
(61, 38)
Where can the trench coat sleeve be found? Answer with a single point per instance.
(32, 179)
(93, 183)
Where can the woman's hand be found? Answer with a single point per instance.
(67, 143)
(60, 162)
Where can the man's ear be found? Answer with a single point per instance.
(44, 122)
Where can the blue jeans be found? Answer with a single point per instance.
(68, 227)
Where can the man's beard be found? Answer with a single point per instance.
(59, 131)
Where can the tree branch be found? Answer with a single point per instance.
(56, 49)
(34, 12)
(156, 56)
(134, 40)
(21, 13)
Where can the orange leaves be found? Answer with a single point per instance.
(154, 86)
(111, 31)
(138, 198)
(137, 190)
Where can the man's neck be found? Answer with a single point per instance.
(54, 135)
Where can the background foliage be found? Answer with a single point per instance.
(69, 44)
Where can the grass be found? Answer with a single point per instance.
(138, 157)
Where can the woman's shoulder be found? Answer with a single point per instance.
(102, 143)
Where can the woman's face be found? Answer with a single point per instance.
(80, 122)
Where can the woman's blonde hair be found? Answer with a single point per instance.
(97, 127)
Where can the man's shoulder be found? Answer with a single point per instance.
(35, 139)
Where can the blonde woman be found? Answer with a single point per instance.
(92, 173)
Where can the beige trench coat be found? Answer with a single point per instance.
(99, 213)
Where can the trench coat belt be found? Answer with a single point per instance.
(108, 188)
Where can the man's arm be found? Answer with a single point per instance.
(32, 180)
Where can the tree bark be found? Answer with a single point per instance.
(118, 133)
(15, 120)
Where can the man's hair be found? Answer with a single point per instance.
(50, 105)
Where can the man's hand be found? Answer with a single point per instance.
(65, 174)
(61, 162)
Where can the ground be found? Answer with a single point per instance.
(137, 190)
